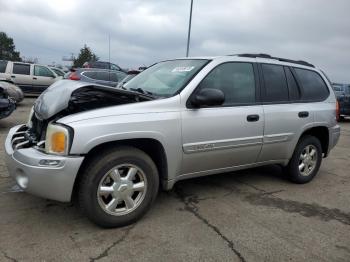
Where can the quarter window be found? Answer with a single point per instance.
(235, 80)
(276, 89)
(314, 88)
(21, 69)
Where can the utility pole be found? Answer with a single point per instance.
(189, 30)
(109, 49)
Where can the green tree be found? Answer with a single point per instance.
(85, 55)
(7, 48)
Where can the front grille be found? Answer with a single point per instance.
(23, 138)
(19, 139)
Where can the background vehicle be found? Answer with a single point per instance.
(342, 91)
(178, 119)
(58, 71)
(31, 78)
(102, 65)
(97, 76)
(12, 91)
(7, 105)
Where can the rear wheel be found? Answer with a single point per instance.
(306, 160)
(118, 187)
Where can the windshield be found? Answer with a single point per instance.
(166, 78)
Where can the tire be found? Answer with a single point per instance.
(305, 175)
(102, 189)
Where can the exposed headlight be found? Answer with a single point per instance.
(58, 138)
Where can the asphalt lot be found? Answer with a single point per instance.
(252, 215)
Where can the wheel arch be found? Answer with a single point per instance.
(322, 134)
(150, 146)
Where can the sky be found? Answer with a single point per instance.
(143, 32)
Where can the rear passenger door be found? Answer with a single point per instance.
(21, 76)
(285, 112)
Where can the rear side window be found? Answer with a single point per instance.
(90, 74)
(314, 88)
(276, 89)
(293, 88)
(3, 65)
(235, 80)
(113, 77)
(103, 76)
(21, 69)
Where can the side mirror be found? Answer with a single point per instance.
(208, 97)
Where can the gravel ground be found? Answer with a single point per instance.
(251, 215)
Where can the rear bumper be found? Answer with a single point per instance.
(334, 134)
(30, 168)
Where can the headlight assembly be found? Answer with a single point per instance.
(58, 139)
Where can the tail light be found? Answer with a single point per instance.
(337, 111)
(74, 76)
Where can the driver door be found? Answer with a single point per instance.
(219, 138)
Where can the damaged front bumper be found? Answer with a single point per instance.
(38, 173)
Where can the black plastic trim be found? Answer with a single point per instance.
(267, 56)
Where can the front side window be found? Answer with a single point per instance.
(21, 69)
(166, 78)
(276, 89)
(42, 71)
(115, 67)
(121, 75)
(58, 72)
(235, 80)
(314, 88)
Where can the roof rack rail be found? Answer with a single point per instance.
(299, 62)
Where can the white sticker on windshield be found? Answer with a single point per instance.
(182, 69)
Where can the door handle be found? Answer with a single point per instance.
(252, 118)
(303, 114)
(34, 78)
(13, 76)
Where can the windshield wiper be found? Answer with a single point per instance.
(144, 92)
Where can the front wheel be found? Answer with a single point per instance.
(306, 160)
(118, 187)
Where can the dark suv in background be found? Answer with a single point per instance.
(102, 65)
(97, 76)
(342, 91)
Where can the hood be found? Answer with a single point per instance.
(68, 97)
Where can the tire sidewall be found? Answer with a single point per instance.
(90, 202)
(294, 172)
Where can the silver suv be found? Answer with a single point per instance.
(111, 149)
